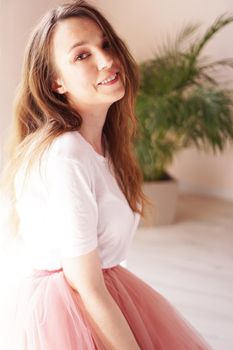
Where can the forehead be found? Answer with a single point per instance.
(74, 29)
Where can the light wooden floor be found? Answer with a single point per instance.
(191, 264)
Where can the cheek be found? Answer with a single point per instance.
(83, 78)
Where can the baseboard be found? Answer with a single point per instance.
(218, 193)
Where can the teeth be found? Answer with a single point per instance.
(109, 79)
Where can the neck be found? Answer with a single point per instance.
(96, 139)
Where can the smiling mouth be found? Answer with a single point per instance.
(111, 80)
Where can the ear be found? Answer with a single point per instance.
(58, 86)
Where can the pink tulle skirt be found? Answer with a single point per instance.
(50, 315)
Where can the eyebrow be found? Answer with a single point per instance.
(83, 42)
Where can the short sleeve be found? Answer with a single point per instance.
(73, 211)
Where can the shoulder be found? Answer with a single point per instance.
(67, 162)
(68, 157)
(69, 146)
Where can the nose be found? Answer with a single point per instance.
(104, 61)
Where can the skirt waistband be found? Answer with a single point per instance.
(38, 272)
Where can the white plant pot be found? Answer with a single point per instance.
(163, 195)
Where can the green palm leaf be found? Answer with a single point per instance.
(180, 103)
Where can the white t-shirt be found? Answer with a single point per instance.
(73, 205)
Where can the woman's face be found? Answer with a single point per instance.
(81, 67)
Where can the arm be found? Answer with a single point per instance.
(84, 274)
(73, 213)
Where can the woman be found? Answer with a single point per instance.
(76, 194)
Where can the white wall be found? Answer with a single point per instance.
(143, 25)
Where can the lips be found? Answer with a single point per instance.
(109, 76)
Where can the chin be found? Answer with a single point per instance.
(121, 94)
(114, 97)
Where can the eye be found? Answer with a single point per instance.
(106, 44)
(82, 56)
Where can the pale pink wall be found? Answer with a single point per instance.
(16, 20)
(205, 173)
(143, 25)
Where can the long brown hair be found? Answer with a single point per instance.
(40, 114)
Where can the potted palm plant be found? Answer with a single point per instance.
(179, 104)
